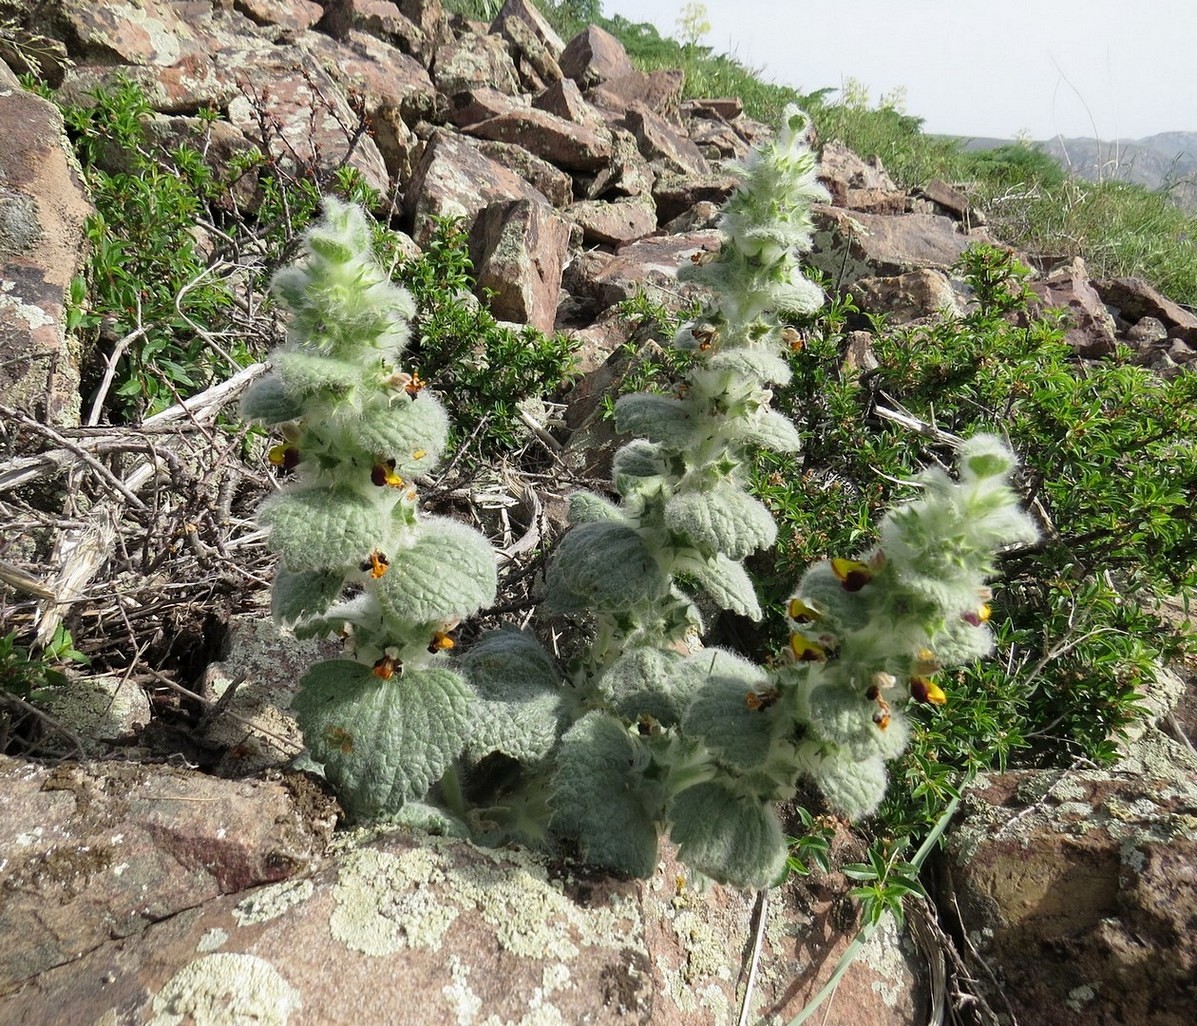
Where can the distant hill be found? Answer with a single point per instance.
(1164, 161)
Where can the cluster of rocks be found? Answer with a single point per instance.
(149, 894)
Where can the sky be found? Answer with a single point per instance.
(981, 68)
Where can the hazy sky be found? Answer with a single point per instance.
(974, 67)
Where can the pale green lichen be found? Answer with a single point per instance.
(1078, 997)
(210, 941)
(272, 901)
(226, 989)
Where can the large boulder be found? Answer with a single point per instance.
(43, 210)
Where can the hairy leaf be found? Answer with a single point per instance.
(449, 573)
(321, 528)
(303, 594)
(731, 838)
(725, 519)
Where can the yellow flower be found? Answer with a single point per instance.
(803, 612)
(807, 651)
(923, 689)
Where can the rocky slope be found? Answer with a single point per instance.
(156, 894)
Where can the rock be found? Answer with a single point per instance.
(43, 210)
(594, 56)
(860, 245)
(857, 185)
(554, 184)
(716, 139)
(626, 174)
(430, 17)
(952, 201)
(726, 108)
(650, 264)
(101, 711)
(1090, 329)
(660, 144)
(1147, 330)
(383, 20)
(526, 13)
(659, 91)
(1079, 889)
(675, 193)
(565, 99)
(296, 15)
(614, 222)
(912, 296)
(1133, 299)
(519, 249)
(454, 178)
(549, 137)
(472, 106)
(94, 852)
(475, 61)
(154, 33)
(534, 59)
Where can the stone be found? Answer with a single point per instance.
(913, 296)
(658, 90)
(843, 173)
(454, 178)
(1078, 889)
(661, 144)
(383, 20)
(726, 108)
(152, 32)
(565, 99)
(716, 139)
(626, 173)
(194, 82)
(100, 710)
(475, 61)
(96, 852)
(519, 249)
(594, 56)
(534, 60)
(675, 193)
(1090, 329)
(472, 106)
(649, 264)
(43, 212)
(526, 13)
(554, 184)
(1134, 299)
(1147, 330)
(614, 222)
(560, 142)
(848, 246)
(292, 15)
(431, 18)
(952, 201)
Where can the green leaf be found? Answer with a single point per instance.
(399, 430)
(382, 743)
(447, 574)
(755, 363)
(600, 800)
(321, 528)
(724, 519)
(853, 787)
(303, 594)
(658, 418)
(588, 508)
(731, 838)
(522, 709)
(772, 430)
(636, 461)
(304, 375)
(605, 565)
(266, 400)
(640, 683)
(720, 714)
(728, 583)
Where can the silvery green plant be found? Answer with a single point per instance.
(653, 734)
(357, 557)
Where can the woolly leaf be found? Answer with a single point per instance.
(321, 528)
(853, 787)
(727, 712)
(599, 799)
(639, 684)
(521, 709)
(731, 838)
(638, 459)
(266, 400)
(605, 564)
(447, 574)
(407, 426)
(772, 430)
(658, 418)
(304, 375)
(724, 519)
(728, 583)
(382, 743)
(588, 508)
(296, 596)
(845, 718)
(752, 362)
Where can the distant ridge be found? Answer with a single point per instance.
(1167, 160)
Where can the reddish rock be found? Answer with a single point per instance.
(472, 106)
(952, 201)
(393, 84)
(650, 264)
(534, 60)
(157, 35)
(716, 139)
(473, 62)
(661, 144)
(292, 15)
(675, 194)
(455, 179)
(726, 108)
(549, 137)
(553, 183)
(431, 18)
(565, 99)
(519, 249)
(1079, 891)
(659, 91)
(526, 13)
(195, 81)
(844, 174)
(594, 56)
(383, 20)
(1090, 328)
(614, 222)
(626, 174)
(99, 851)
(907, 297)
(1133, 299)
(848, 246)
(43, 209)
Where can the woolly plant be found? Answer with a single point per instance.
(357, 557)
(663, 736)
